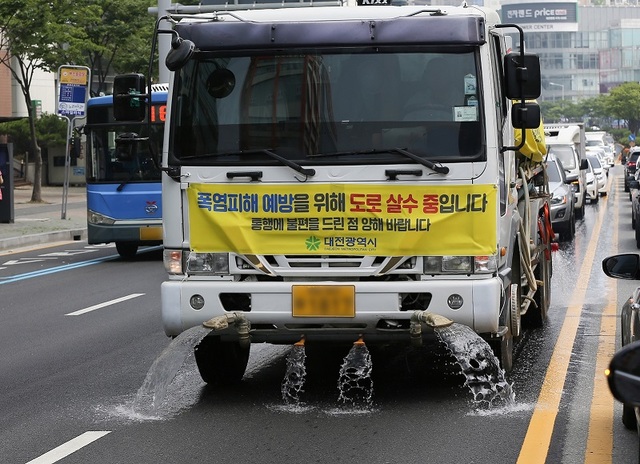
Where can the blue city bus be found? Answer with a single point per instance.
(123, 179)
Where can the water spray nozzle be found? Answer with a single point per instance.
(240, 322)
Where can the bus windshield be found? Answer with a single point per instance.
(116, 162)
(349, 107)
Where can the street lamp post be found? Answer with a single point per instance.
(559, 85)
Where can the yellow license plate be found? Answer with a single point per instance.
(151, 233)
(324, 300)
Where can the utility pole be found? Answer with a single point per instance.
(164, 44)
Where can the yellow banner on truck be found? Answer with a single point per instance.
(364, 219)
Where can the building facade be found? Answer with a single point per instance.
(584, 49)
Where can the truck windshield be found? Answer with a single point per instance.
(566, 154)
(301, 105)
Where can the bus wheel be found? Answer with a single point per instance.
(221, 363)
(127, 250)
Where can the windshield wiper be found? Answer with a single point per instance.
(439, 168)
(293, 165)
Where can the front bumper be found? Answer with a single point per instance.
(378, 310)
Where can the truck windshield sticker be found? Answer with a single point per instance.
(343, 219)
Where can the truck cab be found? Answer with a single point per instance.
(344, 172)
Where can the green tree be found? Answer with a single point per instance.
(29, 29)
(50, 130)
(118, 37)
(624, 103)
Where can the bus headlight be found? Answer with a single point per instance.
(97, 218)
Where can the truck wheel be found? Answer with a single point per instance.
(503, 348)
(127, 250)
(629, 417)
(537, 313)
(221, 363)
(637, 234)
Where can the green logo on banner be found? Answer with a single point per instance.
(312, 243)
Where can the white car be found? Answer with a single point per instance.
(591, 190)
(600, 153)
(599, 175)
(609, 155)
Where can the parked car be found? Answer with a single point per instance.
(630, 166)
(626, 266)
(601, 177)
(563, 217)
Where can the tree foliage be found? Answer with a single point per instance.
(50, 129)
(624, 103)
(108, 36)
(118, 38)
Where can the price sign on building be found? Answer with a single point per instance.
(73, 90)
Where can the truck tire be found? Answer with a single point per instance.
(503, 347)
(127, 250)
(221, 363)
(537, 313)
(629, 417)
(637, 234)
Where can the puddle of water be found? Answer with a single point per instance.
(484, 376)
(354, 382)
(295, 376)
(154, 388)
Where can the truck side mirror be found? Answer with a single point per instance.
(181, 51)
(129, 97)
(525, 115)
(522, 76)
(584, 164)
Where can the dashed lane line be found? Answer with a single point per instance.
(69, 447)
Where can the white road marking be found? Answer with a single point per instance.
(69, 447)
(106, 303)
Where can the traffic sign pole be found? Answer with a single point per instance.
(73, 93)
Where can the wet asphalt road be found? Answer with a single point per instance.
(81, 328)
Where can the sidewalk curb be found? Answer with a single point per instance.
(45, 237)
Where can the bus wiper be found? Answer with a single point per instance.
(295, 166)
(439, 168)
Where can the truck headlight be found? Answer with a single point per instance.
(456, 264)
(459, 264)
(208, 263)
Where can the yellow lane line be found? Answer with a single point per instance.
(538, 438)
(600, 439)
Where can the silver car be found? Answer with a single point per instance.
(563, 216)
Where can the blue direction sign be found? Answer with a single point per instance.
(73, 91)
